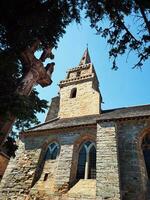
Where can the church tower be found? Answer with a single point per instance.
(82, 152)
(79, 92)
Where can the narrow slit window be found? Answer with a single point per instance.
(73, 93)
(45, 177)
(78, 74)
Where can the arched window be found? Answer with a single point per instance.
(52, 151)
(146, 152)
(87, 161)
(73, 93)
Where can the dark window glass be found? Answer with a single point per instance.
(45, 176)
(55, 153)
(92, 163)
(146, 140)
(146, 152)
(87, 155)
(81, 163)
(88, 143)
(52, 151)
(73, 93)
(52, 145)
(48, 155)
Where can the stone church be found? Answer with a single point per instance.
(81, 151)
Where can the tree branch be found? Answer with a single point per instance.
(125, 28)
(141, 7)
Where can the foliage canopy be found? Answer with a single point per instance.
(127, 26)
(23, 22)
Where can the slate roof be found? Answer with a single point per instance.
(106, 115)
(126, 113)
(66, 122)
(85, 58)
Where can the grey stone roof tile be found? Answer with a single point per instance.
(66, 122)
(113, 114)
(126, 112)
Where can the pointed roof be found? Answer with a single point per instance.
(85, 58)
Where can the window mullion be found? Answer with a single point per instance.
(86, 166)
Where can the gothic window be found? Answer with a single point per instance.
(87, 161)
(52, 151)
(146, 152)
(73, 93)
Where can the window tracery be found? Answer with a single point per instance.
(87, 161)
(52, 151)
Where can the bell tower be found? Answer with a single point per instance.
(79, 92)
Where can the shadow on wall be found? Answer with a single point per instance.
(49, 152)
(40, 166)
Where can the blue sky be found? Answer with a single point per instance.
(122, 88)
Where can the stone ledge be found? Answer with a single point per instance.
(77, 79)
(85, 66)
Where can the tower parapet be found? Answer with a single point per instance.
(79, 92)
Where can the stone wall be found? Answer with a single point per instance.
(53, 109)
(120, 160)
(45, 185)
(133, 176)
(107, 167)
(64, 165)
(20, 175)
(84, 70)
(121, 172)
(79, 106)
(61, 172)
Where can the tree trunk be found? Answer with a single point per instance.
(36, 74)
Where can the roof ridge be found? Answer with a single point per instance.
(47, 122)
(118, 108)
